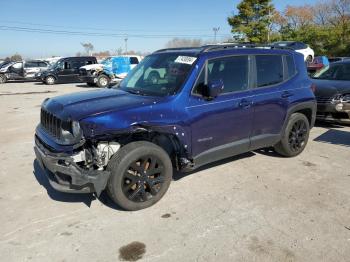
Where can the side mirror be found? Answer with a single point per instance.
(214, 88)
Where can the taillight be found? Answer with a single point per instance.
(313, 87)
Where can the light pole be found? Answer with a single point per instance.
(216, 30)
(126, 45)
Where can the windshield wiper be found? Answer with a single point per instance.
(135, 92)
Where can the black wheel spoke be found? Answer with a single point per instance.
(143, 179)
(136, 192)
(154, 171)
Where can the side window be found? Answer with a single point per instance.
(200, 84)
(233, 71)
(30, 64)
(67, 65)
(134, 60)
(269, 69)
(89, 62)
(290, 64)
(42, 64)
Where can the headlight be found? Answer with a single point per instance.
(336, 99)
(76, 128)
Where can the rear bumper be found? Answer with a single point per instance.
(65, 175)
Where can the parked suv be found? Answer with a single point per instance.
(110, 72)
(211, 103)
(23, 70)
(66, 70)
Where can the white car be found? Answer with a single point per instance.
(299, 47)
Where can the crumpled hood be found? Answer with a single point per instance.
(78, 106)
(329, 88)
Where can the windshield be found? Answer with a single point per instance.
(334, 72)
(159, 74)
(58, 64)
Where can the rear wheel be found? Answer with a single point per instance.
(50, 80)
(141, 173)
(3, 79)
(295, 136)
(103, 81)
(309, 59)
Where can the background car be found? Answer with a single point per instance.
(319, 63)
(66, 70)
(333, 92)
(299, 47)
(110, 71)
(24, 70)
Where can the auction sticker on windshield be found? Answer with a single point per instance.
(185, 60)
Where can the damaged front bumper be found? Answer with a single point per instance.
(65, 175)
(334, 112)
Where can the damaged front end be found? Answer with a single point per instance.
(71, 163)
(82, 170)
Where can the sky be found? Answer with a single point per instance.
(148, 25)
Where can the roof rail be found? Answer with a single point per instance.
(241, 45)
(176, 48)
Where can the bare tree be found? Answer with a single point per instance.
(183, 42)
(88, 48)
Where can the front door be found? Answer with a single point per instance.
(221, 127)
(66, 74)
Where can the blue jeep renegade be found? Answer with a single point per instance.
(179, 108)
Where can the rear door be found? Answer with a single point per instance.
(270, 98)
(221, 127)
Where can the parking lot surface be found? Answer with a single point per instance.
(253, 207)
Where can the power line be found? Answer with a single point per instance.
(120, 35)
(104, 29)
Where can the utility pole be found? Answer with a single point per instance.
(126, 45)
(216, 30)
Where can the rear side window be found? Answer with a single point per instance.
(290, 64)
(134, 60)
(269, 69)
(31, 64)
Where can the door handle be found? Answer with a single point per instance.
(245, 103)
(286, 94)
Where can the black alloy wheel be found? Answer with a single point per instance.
(297, 136)
(143, 179)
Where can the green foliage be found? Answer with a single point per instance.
(324, 26)
(252, 20)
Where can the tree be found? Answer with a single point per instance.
(88, 48)
(16, 57)
(253, 20)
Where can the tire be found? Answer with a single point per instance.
(309, 59)
(295, 136)
(103, 81)
(3, 79)
(50, 80)
(129, 185)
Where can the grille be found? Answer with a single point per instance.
(324, 100)
(51, 123)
